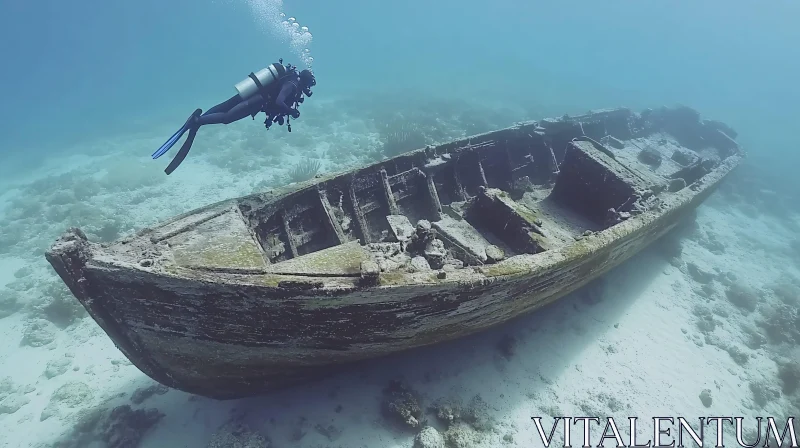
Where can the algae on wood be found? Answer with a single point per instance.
(223, 244)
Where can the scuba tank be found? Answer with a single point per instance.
(260, 79)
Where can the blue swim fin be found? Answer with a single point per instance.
(176, 136)
(187, 145)
(170, 143)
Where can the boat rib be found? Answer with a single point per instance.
(285, 286)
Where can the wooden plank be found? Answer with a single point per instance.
(387, 191)
(299, 209)
(221, 244)
(370, 207)
(343, 260)
(361, 221)
(289, 236)
(460, 193)
(187, 223)
(482, 174)
(332, 222)
(405, 176)
(437, 204)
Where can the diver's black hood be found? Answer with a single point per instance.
(307, 78)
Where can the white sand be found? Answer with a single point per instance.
(637, 351)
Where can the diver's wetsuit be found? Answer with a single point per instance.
(276, 106)
(235, 108)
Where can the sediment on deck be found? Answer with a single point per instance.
(256, 293)
(480, 200)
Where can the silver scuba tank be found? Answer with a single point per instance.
(262, 78)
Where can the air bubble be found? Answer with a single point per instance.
(268, 13)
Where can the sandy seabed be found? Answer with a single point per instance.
(704, 323)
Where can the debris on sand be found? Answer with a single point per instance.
(699, 274)
(753, 337)
(705, 319)
(789, 374)
(12, 396)
(780, 323)
(8, 303)
(402, 404)
(125, 427)
(462, 435)
(710, 242)
(236, 434)
(57, 305)
(475, 416)
(787, 291)
(120, 427)
(71, 395)
(447, 410)
(330, 432)
(58, 366)
(764, 393)
(738, 354)
(38, 333)
(143, 393)
(743, 296)
(13, 402)
(705, 398)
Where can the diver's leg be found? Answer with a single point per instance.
(225, 106)
(237, 112)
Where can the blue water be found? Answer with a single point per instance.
(73, 74)
(77, 70)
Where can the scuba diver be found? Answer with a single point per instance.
(276, 90)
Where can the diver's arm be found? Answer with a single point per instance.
(280, 102)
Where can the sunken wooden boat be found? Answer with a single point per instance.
(282, 287)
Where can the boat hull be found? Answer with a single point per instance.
(241, 336)
(278, 288)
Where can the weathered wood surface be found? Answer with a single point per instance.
(245, 322)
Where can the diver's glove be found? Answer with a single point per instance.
(294, 113)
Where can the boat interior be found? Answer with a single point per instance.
(522, 190)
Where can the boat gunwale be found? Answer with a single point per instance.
(525, 264)
(107, 265)
(297, 188)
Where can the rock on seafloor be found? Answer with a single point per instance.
(69, 397)
(119, 427)
(57, 367)
(401, 404)
(235, 434)
(429, 437)
(12, 403)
